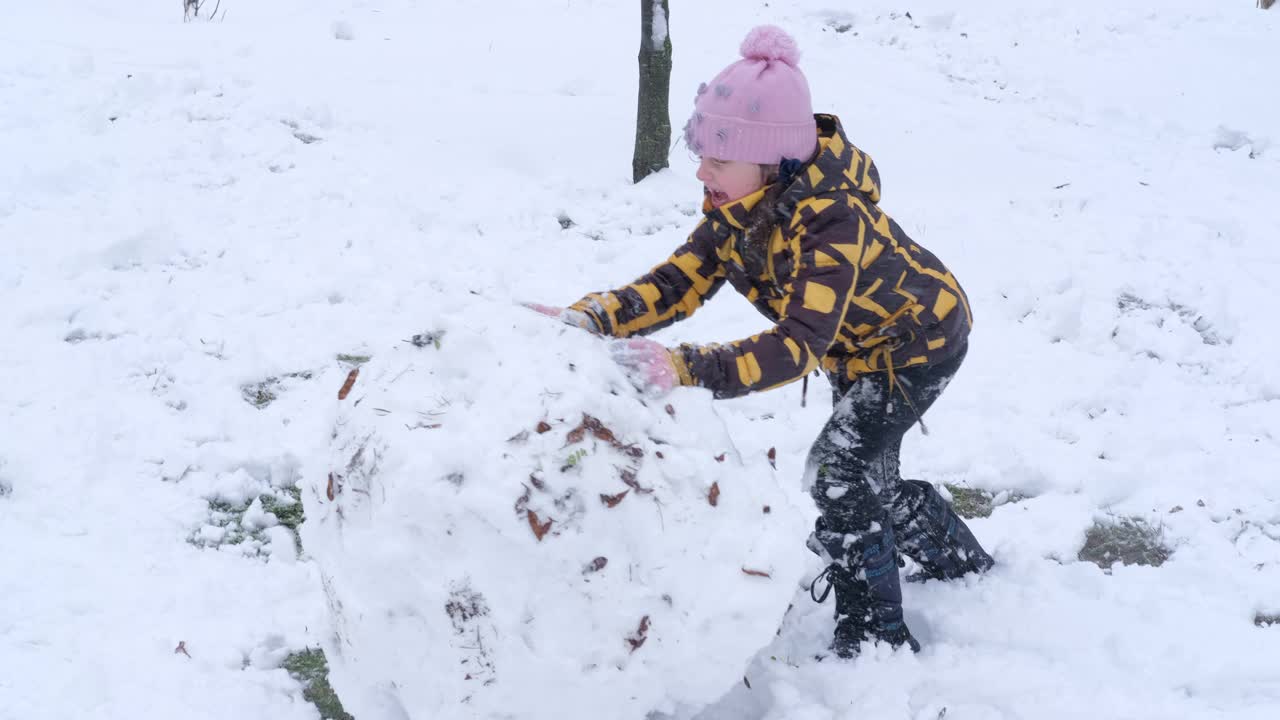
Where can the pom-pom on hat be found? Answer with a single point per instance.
(757, 109)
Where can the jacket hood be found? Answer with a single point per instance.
(838, 166)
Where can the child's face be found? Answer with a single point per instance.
(729, 180)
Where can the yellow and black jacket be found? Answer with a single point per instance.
(843, 284)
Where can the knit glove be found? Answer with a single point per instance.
(647, 364)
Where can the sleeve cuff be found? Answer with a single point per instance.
(593, 307)
(682, 368)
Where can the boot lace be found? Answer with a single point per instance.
(829, 574)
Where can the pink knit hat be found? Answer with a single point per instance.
(757, 109)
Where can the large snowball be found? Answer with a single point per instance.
(506, 529)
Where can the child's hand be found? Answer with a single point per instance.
(575, 318)
(544, 309)
(647, 363)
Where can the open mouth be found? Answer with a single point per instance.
(717, 198)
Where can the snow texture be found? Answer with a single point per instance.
(659, 36)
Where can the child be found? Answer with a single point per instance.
(791, 222)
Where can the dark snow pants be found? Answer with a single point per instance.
(869, 513)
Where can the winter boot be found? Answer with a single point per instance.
(930, 532)
(853, 608)
(868, 595)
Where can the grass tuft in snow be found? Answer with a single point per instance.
(288, 512)
(245, 524)
(464, 606)
(1130, 303)
(969, 503)
(262, 394)
(839, 22)
(79, 335)
(310, 668)
(1130, 540)
(465, 609)
(353, 360)
(304, 137)
(1266, 620)
(972, 503)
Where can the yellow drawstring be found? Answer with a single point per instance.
(886, 356)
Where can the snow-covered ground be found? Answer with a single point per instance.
(190, 210)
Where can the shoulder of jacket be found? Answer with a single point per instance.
(818, 212)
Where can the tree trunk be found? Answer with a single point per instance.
(653, 114)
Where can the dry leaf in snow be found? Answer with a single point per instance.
(598, 429)
(613, 500)
(642, 634)
(629, 477)
(539, 528)
(346, 386)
